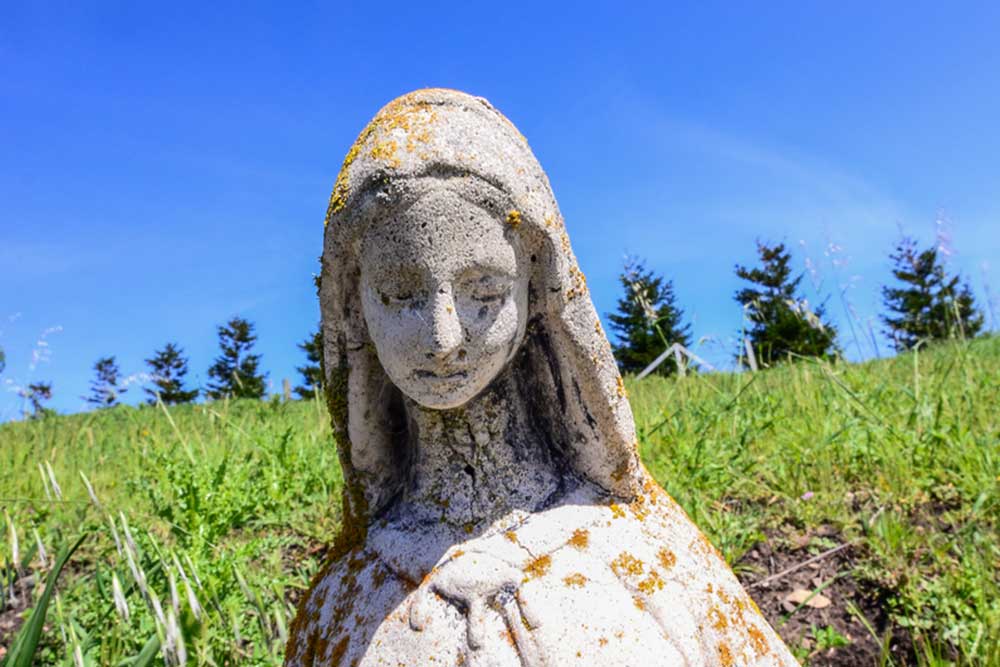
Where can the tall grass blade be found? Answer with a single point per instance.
(146, 656)
(22, 652)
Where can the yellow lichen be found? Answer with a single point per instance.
(576, 580)
(719, 621)
(640, 508)
(580, 539)
(667, 558)
(725, 655)
(652, 583)
(617, 511)
(422, 137)
(579, 283)
(409, 113)
(514, 218)
(339, 197)
(739, 606)
(537, 567)
(628, 564)
(622, 469)
(386, 151)
(758, 640)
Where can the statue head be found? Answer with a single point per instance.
(444, 293)
(445, 262)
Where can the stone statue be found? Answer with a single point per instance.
(496, 512)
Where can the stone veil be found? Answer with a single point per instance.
(495, 508)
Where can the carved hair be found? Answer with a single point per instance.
(462, 143)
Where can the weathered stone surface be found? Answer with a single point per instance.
(496, 509)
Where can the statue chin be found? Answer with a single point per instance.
(444, 392)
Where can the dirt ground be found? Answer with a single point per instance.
(12, 610)
(831, 574)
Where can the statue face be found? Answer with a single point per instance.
(444, 298)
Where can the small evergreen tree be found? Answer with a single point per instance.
(36, 393)
(106, 388)
(312, 377)
(930, 305)
(647, 322)
(3, 360)
(781, 323)
(235, 371)
(168, 368)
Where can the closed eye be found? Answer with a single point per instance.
(389, 298)
(488, 287)
(488, 298)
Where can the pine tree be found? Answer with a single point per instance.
(106, 388)
(235, 370)
(36, 393)
(647, 322)
(312, 377)
(168, 368)
(781, 323)
(931, 305)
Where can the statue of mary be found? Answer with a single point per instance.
(495, 509)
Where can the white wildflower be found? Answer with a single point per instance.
(90, 491)
(45, 482)
(175, 639)
(121, 604)
(43, 555)
(14, 547)
(191, 598)
(55, 485)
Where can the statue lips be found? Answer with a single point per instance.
(435, 375)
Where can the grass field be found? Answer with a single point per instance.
(206, 522)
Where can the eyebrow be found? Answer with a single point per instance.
(494, 267)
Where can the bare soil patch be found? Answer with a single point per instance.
(16, 600)
(834, 576)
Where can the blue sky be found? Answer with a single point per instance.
(166, 167)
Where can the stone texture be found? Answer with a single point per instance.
(496, 511)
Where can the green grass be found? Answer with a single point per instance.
(219, 509)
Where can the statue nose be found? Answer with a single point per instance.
(445, 327)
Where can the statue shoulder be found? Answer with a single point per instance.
(347, 594)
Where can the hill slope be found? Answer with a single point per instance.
(210, 519)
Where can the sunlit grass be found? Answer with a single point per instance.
(205, 521)
(902, 456)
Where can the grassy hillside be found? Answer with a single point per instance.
(207, 522)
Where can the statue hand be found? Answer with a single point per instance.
(474, 583)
